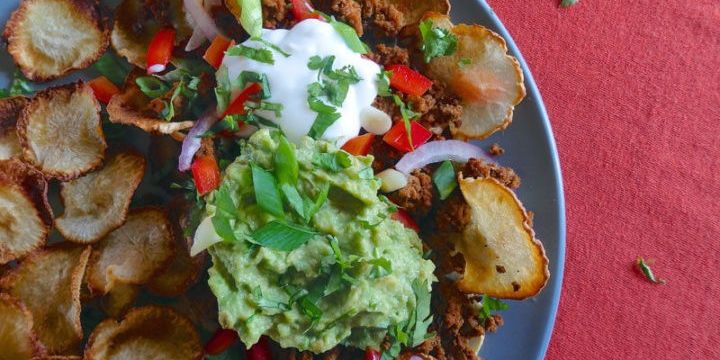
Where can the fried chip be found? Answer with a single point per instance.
(132, 253)
(488, 80)
(503, 258)
(120, 299)
(413, 10)
(135, 26)
(60, 131)
(26, 217)
(97, 203)
(155, 332)
(132, 107)
(48, 283)
(9, 111)
(17, 339)
(49, 38)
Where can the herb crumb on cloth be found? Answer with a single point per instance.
(644, 267)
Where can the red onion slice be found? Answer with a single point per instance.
(441, 150)
(202, 22)
(191, 143)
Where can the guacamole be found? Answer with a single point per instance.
(351, 278)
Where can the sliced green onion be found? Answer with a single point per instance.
(283, 236)
(267, 194)
(445, 179)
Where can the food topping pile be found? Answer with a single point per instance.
(254, 179)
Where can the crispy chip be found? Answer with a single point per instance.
(60, 131)
(490, 85)
(48, 283)
(503, 257)
(17, 339)
(133, 253)
(97, 203)
(413, 10)
(26, 217)
(135, 25)
(58, 357)
(9, 111)
(132, 107)
(120, 299)
(155, 332)
(49, 38)
(182, 272)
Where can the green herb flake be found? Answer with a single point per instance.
(271, 45)
(445, 179)
(112, 67)
(152, 87)
(436, 41)
(488, 305)
(568, 3)
(647, 271)
(322, 122)
(259, 55)
(383, 83)
(332, 162)
(463, 62)
(407, 116)
(267, 193)
(312, 207)
(282, 236)
(285, 162)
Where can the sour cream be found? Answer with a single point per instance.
(290, 76)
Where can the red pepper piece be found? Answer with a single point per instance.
(359, 145)
(405, 218)
(238, 105)
(160, 50)
(103, 88)
(215, 53)
(408, 81)
(222, 340)
(259, 351)
(206, 174)
(303, 9)
(397, 136)
(372, 354)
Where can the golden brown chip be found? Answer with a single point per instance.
(49, 38)
(97, 203)
(17, 339)
(60, 131)
(413, 10)
(136, 24)
(132, 253)
(58, 357)
(490, 82)
(120, 299)
(155, 332)
(48, 283)
(9, 111)
(132, 107)
(499, 237)
(26, 217)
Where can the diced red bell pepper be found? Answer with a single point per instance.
(359, 145)
(397, 136)
(103, 88)
(216, 51)
(405, 218)
(238, 105)
(372, 354)
(206, 174)
(160, 50)
(222, 340)
(303, 9)
(259, 351)
(408, 81)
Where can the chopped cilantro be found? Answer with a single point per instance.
(412, 332)
(407, 116)
(271, 45)
(152, 87)
(112, 67)
(283, 236)
(445, 179)
(267, 193)
(463, 62)
(332, 162)
(645, 269)
(568, 3)
(259, 55)
(488, 305)
(383, 83)
(436, 41)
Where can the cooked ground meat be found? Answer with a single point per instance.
(385, 155)
(453, 214)
(350, 12)
(479, 168)
(496, 150)
(276, 14)
(416, 197)
(387, 19)
(440, 109)
(387, 54)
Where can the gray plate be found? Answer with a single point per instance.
(531, 152)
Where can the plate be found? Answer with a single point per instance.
(531, 152)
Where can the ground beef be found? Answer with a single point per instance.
(387, 54)
(453, 214)
(496, 150)
(374, 16)
(276, 14)
(387, 19)
(416, 197)
(350, 12)
(477, 168)
(385, 155)
(440, 109)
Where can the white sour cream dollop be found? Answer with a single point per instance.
(290, 76)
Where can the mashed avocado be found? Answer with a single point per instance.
(354, 277)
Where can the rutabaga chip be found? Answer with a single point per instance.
(48, 283)
(98, 203)
(413, 10)
(155, 332)
(49, 38)
(26, 217)
(17, 338)
(10, 109)
(132, 253)
(503, 259)
(60, 131)
(488, 80)
(120, 299)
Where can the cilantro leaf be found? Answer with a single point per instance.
(112, 67)
(271, 45)
(383, 83)
(267, 194)
(445, 179)
(436, 41)
(311, 208)
(568, 3)
(282, 236)
(322, 122)
(407, 116)
(151, 86)
(647, 271)
(259, 55)
(489, 305)
(332, 162)
(423, 319)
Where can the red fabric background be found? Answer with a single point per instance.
(632, 89)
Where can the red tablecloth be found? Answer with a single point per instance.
(632, 89)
